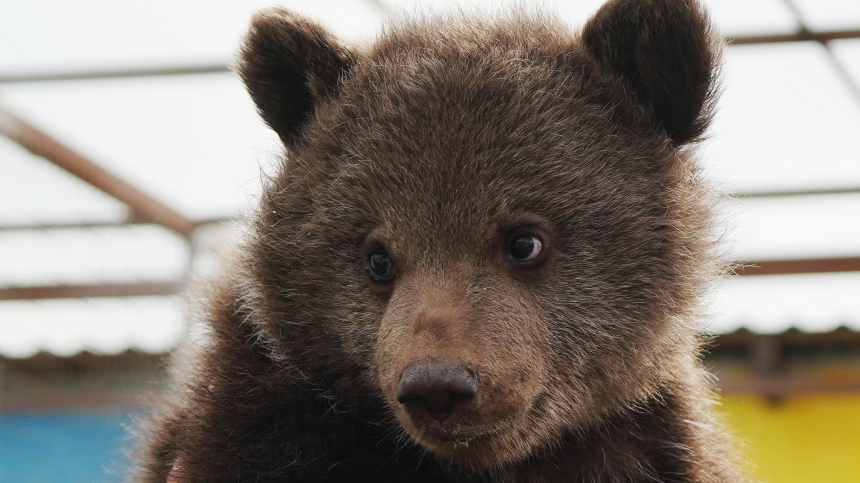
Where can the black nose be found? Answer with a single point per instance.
(436, 389)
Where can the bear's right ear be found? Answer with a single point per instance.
(290, 65)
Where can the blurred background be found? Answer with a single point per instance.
(129, 153)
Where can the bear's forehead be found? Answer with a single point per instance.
(467, 116)
(460, 186)
(464, 81)
(502, 66)
(452, 133)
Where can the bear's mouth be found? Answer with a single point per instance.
(476, 448)
(462, 437)
(455, 410)
(449, 435)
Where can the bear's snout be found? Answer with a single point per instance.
(460, 368)
(434, 392)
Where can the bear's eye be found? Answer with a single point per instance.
(525, 248)
(379, 266)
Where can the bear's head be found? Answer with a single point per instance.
(493, 230)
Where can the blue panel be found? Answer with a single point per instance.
(71, 447)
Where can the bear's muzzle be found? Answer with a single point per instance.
(437, 394)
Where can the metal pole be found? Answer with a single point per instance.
(142, 205)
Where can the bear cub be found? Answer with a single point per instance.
(480, 260)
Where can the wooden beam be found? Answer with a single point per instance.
(142, 205)
(811, 265)
(101, 290)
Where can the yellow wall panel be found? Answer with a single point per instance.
(803, 439)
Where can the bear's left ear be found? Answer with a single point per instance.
(290, 65)
(667, 53)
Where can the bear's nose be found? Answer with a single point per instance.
(436, 389)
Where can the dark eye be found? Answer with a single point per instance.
(524, 248)
(379, 266)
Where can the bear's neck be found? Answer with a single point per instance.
(656, 441)
(321, 433)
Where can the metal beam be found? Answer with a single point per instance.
(380, 5)
(169, 288)
(781, 388)
(82, 291)
(801, 36)
(115, 74)
(843, 74)
(100, 224)
(811, 192)
(812, 265)
(142, 205)
(791, 339)
(72, 225)
(774, 358)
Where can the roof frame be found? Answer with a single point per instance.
(145, 208)
(142, 205)
(824, 38)
(90, 291)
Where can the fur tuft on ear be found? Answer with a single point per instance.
(666, 52)
(289, 65)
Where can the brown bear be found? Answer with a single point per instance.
(480, 260)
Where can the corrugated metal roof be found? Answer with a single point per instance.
(30, 188)
(194, 142)
(773, 304)
(786, 120)
(68, 256)
(774, 228)
(109, 325)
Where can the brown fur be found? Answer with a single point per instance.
(437, 143)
